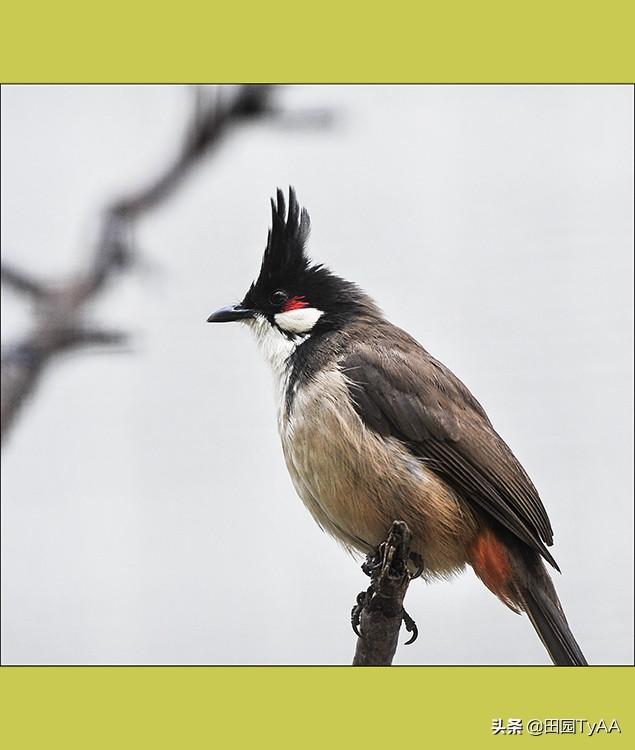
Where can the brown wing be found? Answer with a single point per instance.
(413, 397)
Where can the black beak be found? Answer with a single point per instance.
(233, 312)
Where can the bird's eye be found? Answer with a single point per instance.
(279, 297)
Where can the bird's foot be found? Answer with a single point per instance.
(364, 598)
(388, 566)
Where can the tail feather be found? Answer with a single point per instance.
(517, 575)
(552, 627)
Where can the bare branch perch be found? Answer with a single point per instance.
(21, 282)
(59, 321)
(380, 610)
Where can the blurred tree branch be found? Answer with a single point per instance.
(379, 611)
(59, 310)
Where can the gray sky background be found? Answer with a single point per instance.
(147, 515)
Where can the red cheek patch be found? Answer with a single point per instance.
(294, 303)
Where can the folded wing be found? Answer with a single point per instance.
(414, 398)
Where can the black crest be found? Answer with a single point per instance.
(287, 268)
(285, 252)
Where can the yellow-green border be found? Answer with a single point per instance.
(442, 42)
(304, 707)
(334, 40)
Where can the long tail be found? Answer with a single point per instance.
(548, 619)
(518, 577)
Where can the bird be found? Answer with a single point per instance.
(374, 428)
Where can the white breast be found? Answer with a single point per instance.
(276, 348)
(356, 483)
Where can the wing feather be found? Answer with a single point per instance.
(413, 397)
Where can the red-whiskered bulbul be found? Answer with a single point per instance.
(374, 429)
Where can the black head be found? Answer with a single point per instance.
(293, 294)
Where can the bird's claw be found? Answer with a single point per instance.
(356, 612)
(411, 627)
(374, 561)
(356, 616)
(417, 559)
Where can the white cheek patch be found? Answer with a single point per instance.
(298, 321)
